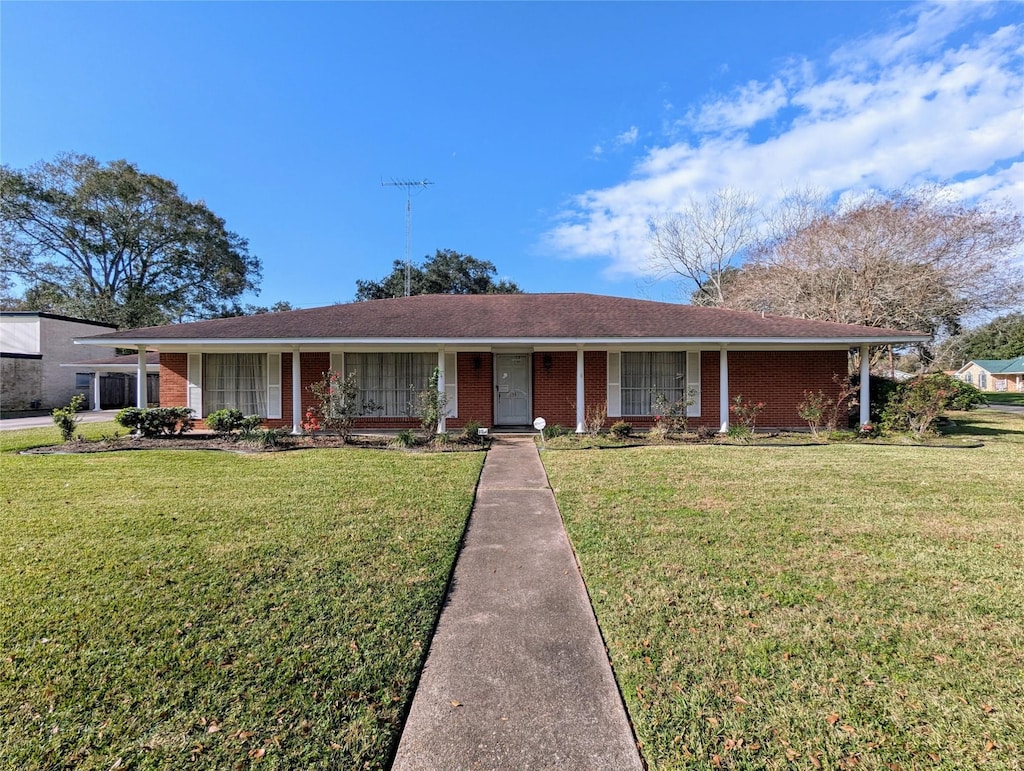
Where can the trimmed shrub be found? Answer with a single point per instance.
(155, 421)
(224, 421)
(66, 418)
(550, 432)
(620, 429)
(250, 423)
(469, 431)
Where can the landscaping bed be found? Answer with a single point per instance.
(262, 442)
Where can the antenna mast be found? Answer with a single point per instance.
(408, 184)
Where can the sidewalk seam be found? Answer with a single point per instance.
(597, 622)
(425, 653)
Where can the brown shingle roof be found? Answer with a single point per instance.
(514, 317)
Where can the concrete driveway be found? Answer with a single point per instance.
(1007, 408)
(42, 421)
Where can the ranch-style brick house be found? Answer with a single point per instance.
(504, 360)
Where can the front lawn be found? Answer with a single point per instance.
(841, 606)
(1004, 397)
(203, 609)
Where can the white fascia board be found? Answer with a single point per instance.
(130, 368)
(323, 343)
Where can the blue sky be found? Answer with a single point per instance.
(552, 131)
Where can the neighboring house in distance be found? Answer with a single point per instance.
(504, 360)
(994, 374)
(112, 383)
(33, 346)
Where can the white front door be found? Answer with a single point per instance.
(512, 385)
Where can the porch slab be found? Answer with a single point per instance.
(517, 675)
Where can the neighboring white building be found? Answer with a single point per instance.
(33, 346)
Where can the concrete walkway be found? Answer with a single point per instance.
(517, 676)
(45, 421)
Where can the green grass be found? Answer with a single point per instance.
(12, 441)
(199, 609)
(1004, 397)
(838, 606)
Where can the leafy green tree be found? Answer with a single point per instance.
(112, 243)
(447, 272)
(1001, 338)
(230, 310)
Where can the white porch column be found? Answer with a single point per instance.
(95, 391)
(441, 424)
(723, 388)
(865, 386)
(296, 392)
(581, 418)
(141, 391)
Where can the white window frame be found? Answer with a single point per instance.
(403, 404)
(618, 377)
(198, 382)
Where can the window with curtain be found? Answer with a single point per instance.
(648, 373)
(389, 382)
(235, 380)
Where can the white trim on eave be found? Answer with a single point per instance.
(376, 343)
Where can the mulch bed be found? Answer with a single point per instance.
(208, 441)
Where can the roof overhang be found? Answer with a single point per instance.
(168, 345)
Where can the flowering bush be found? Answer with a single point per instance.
(746, 412)
(814, 409)
(310, 423)
(338, 403)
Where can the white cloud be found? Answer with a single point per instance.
(906, 107)
(745, 107)
(628, 137)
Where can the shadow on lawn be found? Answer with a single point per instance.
(968, 424)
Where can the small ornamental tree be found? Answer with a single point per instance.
(746, 411)
(67, 419)
(338, 403)
(814, 409)
(431, 405)
(671, 416)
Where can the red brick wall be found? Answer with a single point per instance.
(173, 379)
(554, 388)
(595, 382)
(475, 372)
(779, 379)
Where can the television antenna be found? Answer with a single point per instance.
(408, 184)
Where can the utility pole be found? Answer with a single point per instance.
(408, 184)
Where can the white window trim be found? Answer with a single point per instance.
(274, 386)
(614, 386)
(451, 384)
(196, 376)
